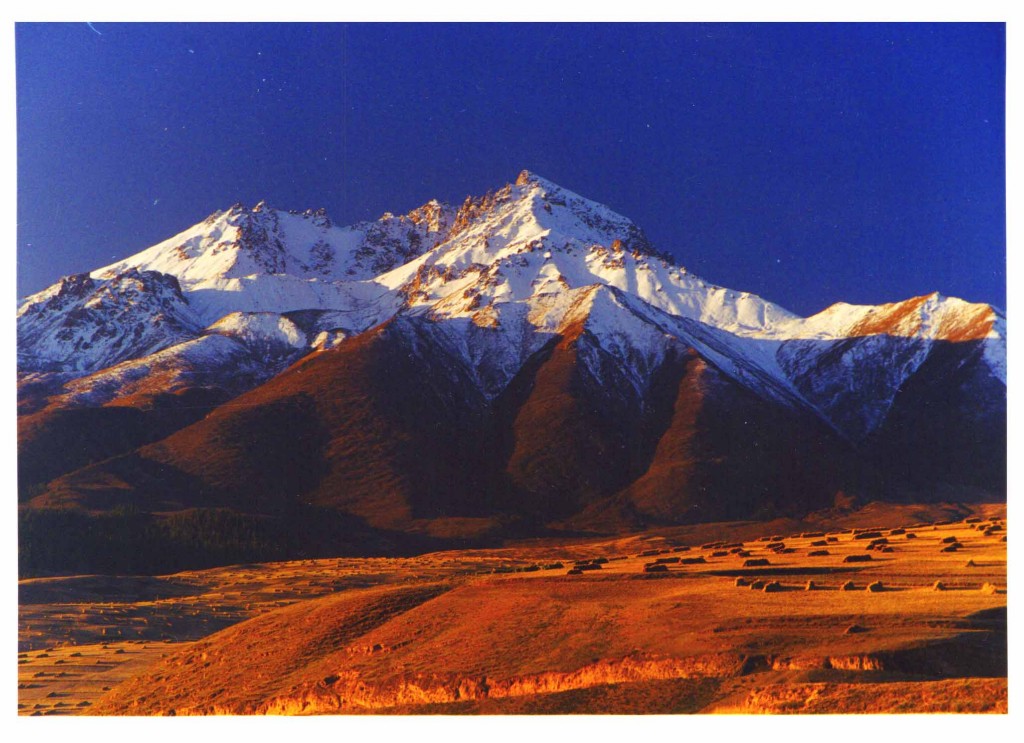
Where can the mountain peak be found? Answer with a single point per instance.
(529, 178)
(524, 177)
(84, 323)
(934, 315)
(530, 184)
(530, 312)
(432, 216)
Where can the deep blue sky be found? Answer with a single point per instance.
(807, 163)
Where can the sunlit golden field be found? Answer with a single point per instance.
(513, 631)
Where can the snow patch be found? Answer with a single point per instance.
(267, 330)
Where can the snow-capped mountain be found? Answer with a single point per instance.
(488, 296)
(80, 324)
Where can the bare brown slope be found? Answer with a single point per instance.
(66, 424)
(57, 440)
(371, 428)
(388, 428)
(568, 442)
(727, 454)
(945, 434)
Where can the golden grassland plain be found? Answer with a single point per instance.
(680, 620)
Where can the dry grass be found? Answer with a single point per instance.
(69, 680)
(445, 633)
